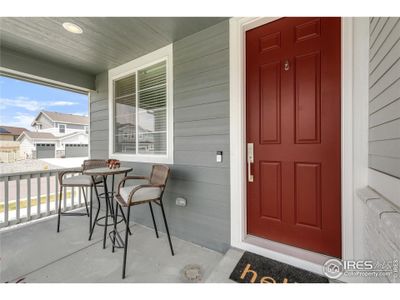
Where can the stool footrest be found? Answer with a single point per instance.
(119, 243)
(73, 214)
(110, 195)
(110, 222)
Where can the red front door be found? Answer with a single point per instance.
(293, 114)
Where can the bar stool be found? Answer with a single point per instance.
(81, 181)
(128, 196)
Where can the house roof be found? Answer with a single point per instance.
(71, 134)
(12, 130)
(40, 135)
(64, 118)
(47, 135)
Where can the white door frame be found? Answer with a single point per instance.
(354, 110)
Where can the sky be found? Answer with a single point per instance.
(21, 101)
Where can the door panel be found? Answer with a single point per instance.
(308, 194)
(270, 78)
(307, 81)
(271, 190)
(293, 119)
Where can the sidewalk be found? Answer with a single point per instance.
(70, 162)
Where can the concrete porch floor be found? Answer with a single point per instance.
(35, 253)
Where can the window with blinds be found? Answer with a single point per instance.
(125, 115)
(140, 111)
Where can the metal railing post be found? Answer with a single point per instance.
(38, 197)
(6, 201)
(48, 194)
(18, 204)
(28, 205)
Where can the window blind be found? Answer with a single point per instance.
(141, 111)
(125, 114)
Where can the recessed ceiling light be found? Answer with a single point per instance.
(71, 27)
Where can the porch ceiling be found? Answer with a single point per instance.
(105, 42)
(36, 253)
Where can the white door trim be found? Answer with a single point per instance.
(354, 96)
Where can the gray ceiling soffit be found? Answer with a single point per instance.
(45, 70)
(105, 43)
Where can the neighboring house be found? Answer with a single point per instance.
(9, 151)
(9, 148)
(8, 133)
(126, 138)
(56, 135)
(60, 124)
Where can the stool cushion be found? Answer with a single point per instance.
(143, 194)
(80, 180)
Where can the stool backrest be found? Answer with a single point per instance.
(159, 174)
(93, 164)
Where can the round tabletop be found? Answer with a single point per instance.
(105, 171)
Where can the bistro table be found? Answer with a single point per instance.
(109, 196)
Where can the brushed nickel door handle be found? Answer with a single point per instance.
(250, 160)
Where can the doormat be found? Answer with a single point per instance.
(253, 268)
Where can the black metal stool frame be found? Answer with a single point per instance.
(121, 202)
(62, 186)
(109, 207)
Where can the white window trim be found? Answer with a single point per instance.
(65, 127)
(159, 55)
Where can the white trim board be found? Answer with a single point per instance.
(43, 80)
(353, 84)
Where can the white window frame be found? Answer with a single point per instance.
(65, 127)
(162, 54)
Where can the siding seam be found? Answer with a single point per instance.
(191, 60)
(380, 93)
(380, 31)
(373, 29)
(384, 106)
(201, 88)
(386, 54)
(384, 122)
(384, 73)
(205, 119)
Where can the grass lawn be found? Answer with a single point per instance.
(23, 203)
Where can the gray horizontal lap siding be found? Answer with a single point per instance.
(75, 126)
(384, 96)
(201, 127)
(45, 122)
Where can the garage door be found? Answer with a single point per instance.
(45, 150)
(76, 150)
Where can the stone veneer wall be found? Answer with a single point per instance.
(381, 230)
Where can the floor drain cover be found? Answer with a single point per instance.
(192, 273)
